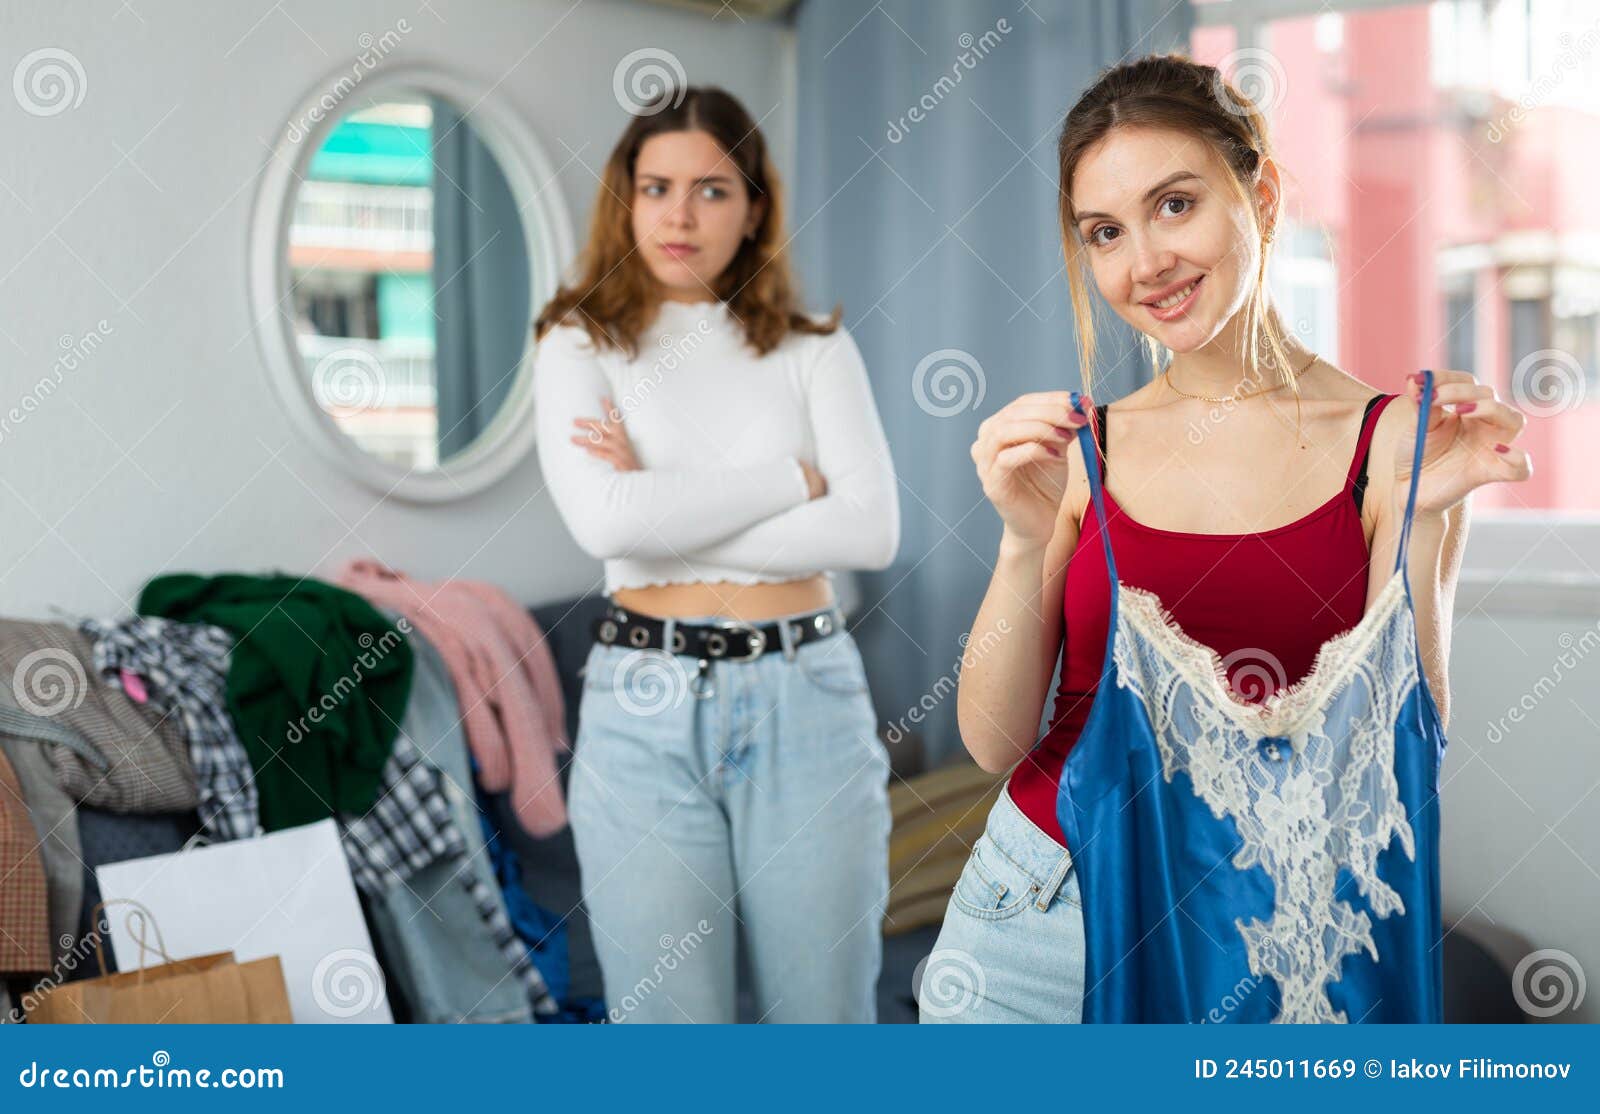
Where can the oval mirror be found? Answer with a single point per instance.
(407, 230)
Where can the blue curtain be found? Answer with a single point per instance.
(480, 281)
(925, 201)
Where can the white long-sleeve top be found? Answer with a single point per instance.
(717, 431)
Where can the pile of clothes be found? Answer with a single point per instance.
(236, 705)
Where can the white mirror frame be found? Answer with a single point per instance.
(547, 228)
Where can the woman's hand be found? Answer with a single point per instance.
(1466, 447)
(1021, 455)
(607, 439)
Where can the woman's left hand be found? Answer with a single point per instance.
(1467, 447)
(607, 439)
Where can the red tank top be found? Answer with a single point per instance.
(1265, 602)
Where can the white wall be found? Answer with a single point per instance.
(1520, 788)
(167, 450)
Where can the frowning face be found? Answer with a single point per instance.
(691, 210)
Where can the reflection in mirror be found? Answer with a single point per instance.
(410, 280)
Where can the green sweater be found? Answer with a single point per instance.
(317, 685)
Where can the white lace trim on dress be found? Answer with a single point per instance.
(1307, 777)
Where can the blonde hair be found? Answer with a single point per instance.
(616, 296)
(1174, 92)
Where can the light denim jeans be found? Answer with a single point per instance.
(753, 801)
(1011, 948)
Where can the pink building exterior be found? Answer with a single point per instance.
(1435, 199)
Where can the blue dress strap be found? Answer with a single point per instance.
(1090, 461)
(1400, 564)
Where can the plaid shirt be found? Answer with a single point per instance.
(409, 826)
(491, 907)
(412, 826)
(184, 667)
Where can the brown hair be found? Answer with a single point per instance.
(1174, 92)
(616, 296)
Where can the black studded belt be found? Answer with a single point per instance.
(724, 640)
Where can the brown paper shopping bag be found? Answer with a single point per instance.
(207, 989)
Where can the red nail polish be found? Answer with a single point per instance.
(1052, 449)
(1466, 408)
(1065, 431)
(1499, 448)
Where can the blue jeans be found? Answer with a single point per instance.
(752, 802)
(1011, 949)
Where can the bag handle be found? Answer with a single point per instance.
(142, 914)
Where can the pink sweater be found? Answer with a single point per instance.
(505, 679)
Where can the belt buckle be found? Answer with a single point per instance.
(758, 638)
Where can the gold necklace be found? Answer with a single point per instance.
(1235, 398)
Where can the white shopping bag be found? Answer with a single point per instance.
(287, 894)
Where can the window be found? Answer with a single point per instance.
(1575, 312)
(1461, 323)
(1446, 221)
(1304, 287)
(1530, 335)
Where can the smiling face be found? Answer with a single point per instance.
(1157, 215)
(691, 211)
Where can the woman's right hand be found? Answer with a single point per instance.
(1021, 455)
